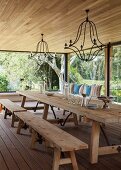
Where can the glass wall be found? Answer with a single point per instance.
(115, 79)
(89, 73)
(18, 71)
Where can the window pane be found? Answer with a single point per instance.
(115, 83)
(91, 72)
(20, 72)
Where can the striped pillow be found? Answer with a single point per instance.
(95, 90)
(71, 88)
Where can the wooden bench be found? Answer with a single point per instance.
(57, 138)
(10, 109)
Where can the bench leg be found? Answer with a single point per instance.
(73, 160)
(13, 119)
(7, 112)
(5, 116)
(33, 138)
(75, 119)
(20, 125)
(56, 161)
(61, 161)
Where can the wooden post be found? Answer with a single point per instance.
(107, 69)
(94, 143)
(66, 67)
(45, 112)
(23, 101)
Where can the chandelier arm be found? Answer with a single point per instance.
(91, 28)
(97, 52)
(51, 56)
(95, 55)
(90, 54)
(40, 58)
(32, 55)
(37, 61)
(96, 32)
(47, 50)
(98, 46)
(76, 52)
(79, 32)
(37, 48)
(83, 56)
(84, 33)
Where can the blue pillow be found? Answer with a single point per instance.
(88, 90)
(76, 88)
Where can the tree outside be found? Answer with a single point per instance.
(89, 73)
(93, 72)
(115, 83)
(19, 72)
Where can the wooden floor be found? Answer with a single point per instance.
(15, 153)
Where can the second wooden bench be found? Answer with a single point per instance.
(10, 108)
(57, 138)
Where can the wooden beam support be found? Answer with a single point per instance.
(108, 52)
(66, 67)
(109, 150)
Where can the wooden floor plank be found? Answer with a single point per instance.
(40, 153)
(3, 165)
(13, 151)
(11, 164)
(42, 159)
(27, 157)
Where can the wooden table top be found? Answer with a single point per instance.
(111, 115)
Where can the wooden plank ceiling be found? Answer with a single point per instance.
(23, 21)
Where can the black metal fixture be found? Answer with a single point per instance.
(42, 52)
(86, 54)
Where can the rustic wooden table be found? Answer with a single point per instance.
(97, 116)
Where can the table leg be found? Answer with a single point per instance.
(94, 143)
(23, 101)
(45, 112)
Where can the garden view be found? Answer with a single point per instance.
(20, 72)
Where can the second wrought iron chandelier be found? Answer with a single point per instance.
(96, 45)
(42, 53)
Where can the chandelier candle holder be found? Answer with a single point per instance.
(96, 45)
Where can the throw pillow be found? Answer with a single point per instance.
(76, 88)
(87, 90)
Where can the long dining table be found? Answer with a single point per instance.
(97, 116)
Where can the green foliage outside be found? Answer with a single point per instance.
(93, 72)
(87, 72)
(19, 72)
(3, 83)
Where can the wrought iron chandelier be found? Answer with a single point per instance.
(42, 53)
(96, 45)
